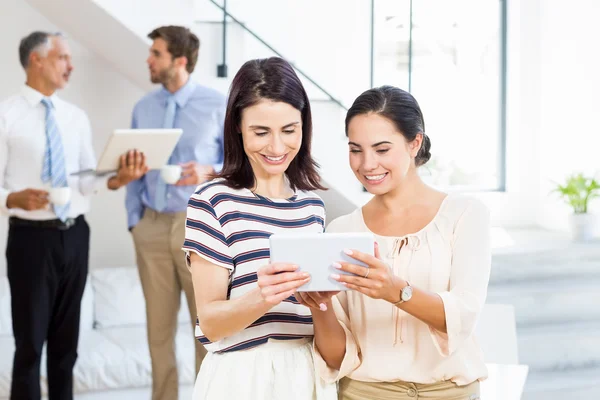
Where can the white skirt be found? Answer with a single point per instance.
(276, 370)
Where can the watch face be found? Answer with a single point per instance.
(407, 293)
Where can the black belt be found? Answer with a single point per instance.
(49, 224)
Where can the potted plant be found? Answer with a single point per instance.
(577, 192)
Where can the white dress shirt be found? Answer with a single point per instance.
(22, 147)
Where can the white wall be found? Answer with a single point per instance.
(107, 98)
(569, 100)
(145, 15)
(517, 206)
(328, 40)
(337, 59)
(333, 59)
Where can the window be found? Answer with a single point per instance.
(450, 54)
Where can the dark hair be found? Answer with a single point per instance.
(181, 42)
(273, 79)
(33, 42)
(399, 107)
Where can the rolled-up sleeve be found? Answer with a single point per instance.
(469, 277)
(351, 359)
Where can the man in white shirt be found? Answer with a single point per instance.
(43, 140)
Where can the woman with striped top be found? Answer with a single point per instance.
(257, 335)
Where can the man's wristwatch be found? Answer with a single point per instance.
(405, 294)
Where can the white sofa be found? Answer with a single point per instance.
(113, 361)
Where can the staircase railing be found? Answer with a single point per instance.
(223, 68)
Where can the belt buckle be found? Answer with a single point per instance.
(69, 222)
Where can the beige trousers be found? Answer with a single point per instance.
(356, 390)
(158, 239)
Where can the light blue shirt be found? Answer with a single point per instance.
(200, 113)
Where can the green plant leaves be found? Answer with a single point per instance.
(577, 191)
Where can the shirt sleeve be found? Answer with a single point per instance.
(352, 358)
(469, 277)
(134, 191)
(3, 162)
(89, 184)
(204, 234)
(218, 166)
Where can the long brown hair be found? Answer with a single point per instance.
(273, 79)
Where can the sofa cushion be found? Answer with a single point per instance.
(86, 321)
(7, 349)
(134, 341)
(186, 354)
(119, 300)
(105, 364)
(101, 364)
(115, 358)
(5, 316)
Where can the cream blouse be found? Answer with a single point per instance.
(450, 256)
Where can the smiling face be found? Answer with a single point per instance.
(272, 136)
(380, 156)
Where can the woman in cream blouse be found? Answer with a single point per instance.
(405, 329)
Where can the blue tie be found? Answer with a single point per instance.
(53, 169)
(160, 200)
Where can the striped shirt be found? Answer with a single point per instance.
(231, 229)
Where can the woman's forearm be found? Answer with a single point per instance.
(426, 306)
(330, 337)
(223, 318)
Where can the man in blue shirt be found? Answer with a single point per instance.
(156, 210)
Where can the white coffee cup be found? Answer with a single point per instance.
(60, 195)
(171, 173)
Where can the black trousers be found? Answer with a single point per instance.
(47, 269)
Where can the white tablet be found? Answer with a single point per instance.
(156, 144)
(315, 252)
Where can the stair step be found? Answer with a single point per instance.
(547, 302)
(560, 347)
(560, 385)
(554, 289)
(573, 260)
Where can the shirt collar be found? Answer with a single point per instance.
(183, 94)
(34, 97)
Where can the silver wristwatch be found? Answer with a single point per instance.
(405, 294)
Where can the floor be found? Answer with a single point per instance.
(554, 285)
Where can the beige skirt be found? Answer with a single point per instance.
(356, 390)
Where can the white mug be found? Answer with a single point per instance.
(60, 196)
(171, 173)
